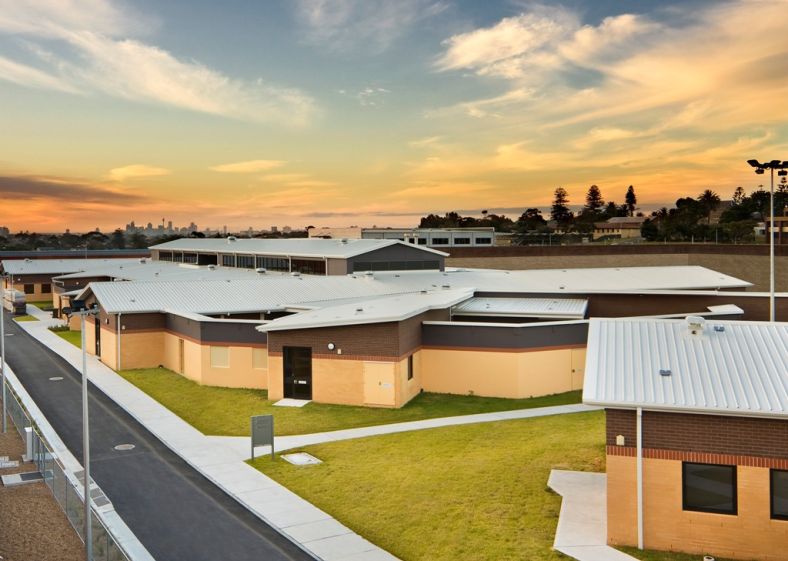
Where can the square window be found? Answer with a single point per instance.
(779, 494)
(46, 288)
(30, 289)
(709, 488)
(220, 357)
(260, 358)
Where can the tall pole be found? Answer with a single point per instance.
(86, 446)
(771, 248)
(2, 349)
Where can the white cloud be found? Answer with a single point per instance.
(249, 166)
(136, 171)
(99, 56)
(375, 24)
(25, 75)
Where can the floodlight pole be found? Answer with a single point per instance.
(86, 444)
(2, 349)
(771, 248)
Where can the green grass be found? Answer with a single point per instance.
(73, 337)
(463, 493)
(226, 411)
(26, 318)
(651, 555)
(43, 305)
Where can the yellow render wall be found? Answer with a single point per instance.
(275, 377)
(139, 350)
(239, 373)
(192, 357)
(336, 381)
(502, 374)
(408, 389)
(109, 348)
(750, 534)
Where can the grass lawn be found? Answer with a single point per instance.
(464, 493)
(651, 555)
(43, 305)
(73, 337)
(26, 318)
(226, 411)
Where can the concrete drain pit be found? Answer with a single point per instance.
(56, 378)
(301, 459)
(124, 447)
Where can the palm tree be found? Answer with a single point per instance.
(710, 200)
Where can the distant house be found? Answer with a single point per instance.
(697, 433)
(780, 229)
(620, 226)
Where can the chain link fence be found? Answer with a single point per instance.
(63, 485)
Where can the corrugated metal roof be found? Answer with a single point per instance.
(164, 270)
(559, 308)
(304, 247)
(376, 310)
(59, 266)
(732, 368)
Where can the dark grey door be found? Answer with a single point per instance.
(298, 372)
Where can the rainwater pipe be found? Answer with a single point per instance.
(640, 475)
(118, 351)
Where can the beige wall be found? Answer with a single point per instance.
(751, 534)
(502, 374)
(139, 349)
(37, 295)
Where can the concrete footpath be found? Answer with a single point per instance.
(240, 444)
(582, 523)
(311, 528)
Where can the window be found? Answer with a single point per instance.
(709, 488)
(190, 258)
(228, 260)
(483, 241)
(273, 263)
(245, 262)
(260, 358)
(220, 357)
(422, 241)
(410, 367)
(46, 288)
(779, 494)
(440, 241)
(165, 256)
(309, 266)
(462, 241)
(30, 289)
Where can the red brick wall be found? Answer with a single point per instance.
(714, 434)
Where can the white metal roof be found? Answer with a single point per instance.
(59, 266)
(164, 270)
(739, 370)
(296, 247)
(557, 308)
(377, 310)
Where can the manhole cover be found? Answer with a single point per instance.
(121, 447)
(301, 459)
(56, 378)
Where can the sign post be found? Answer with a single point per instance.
(263, 432)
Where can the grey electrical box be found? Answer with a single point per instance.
(263, 432)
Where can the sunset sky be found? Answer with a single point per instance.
(362, 112)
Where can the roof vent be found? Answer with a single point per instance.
(665, 372)
(719, 328)
(28, 260)
(231, 238)
(261, 270)
(295, 274)
(445, 286)
(696, 325)
(343, 241)
(359, 310)
(211, 267)
(143, 260)
(369, 274)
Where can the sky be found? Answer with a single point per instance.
(375, 112)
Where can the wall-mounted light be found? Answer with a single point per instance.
(331, 346)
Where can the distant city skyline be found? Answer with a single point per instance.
(337, 112)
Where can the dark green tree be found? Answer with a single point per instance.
(709, 200)
(630, 200)
(118, 239)
(559, 211)
(594, 200)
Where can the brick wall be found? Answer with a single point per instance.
(713, 434)
(372, 340)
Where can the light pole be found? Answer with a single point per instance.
(2, 347)
(760, 169)
(78, 308)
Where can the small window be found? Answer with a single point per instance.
(245, 261)
(779, 494)
(709, 488)
(483, 241)
(440, 241)
(46, 288)
(422, 241)
(228, 260)
(410, 367)
(30, 289)
(220, 357)
(462, 241)
(260, 359)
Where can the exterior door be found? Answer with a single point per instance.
(97, 325)
(298, 372)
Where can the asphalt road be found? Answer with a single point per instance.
(174, 511)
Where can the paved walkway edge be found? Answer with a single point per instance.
(582, 523)
(308, 527)
(111, 519)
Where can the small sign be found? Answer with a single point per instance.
(263, 432)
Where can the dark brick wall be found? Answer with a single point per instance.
(410, 330)
(374, 339)
(714, 434)
(640, 249)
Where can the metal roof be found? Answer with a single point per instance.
(295, 247)
(164, 270)
(728, 368)
(377, 310)
(557, 308)
(59, 266)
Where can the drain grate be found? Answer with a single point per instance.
(122, 447)
(56, 378)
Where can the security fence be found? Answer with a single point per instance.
(64, 485)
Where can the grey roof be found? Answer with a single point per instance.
(728, 368)
(377, 310)
(556, 308)
(164, 270)
(59, 266)
(298, 247)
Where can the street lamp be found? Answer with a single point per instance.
(760, 169)
(2, 346)
(78, 308)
